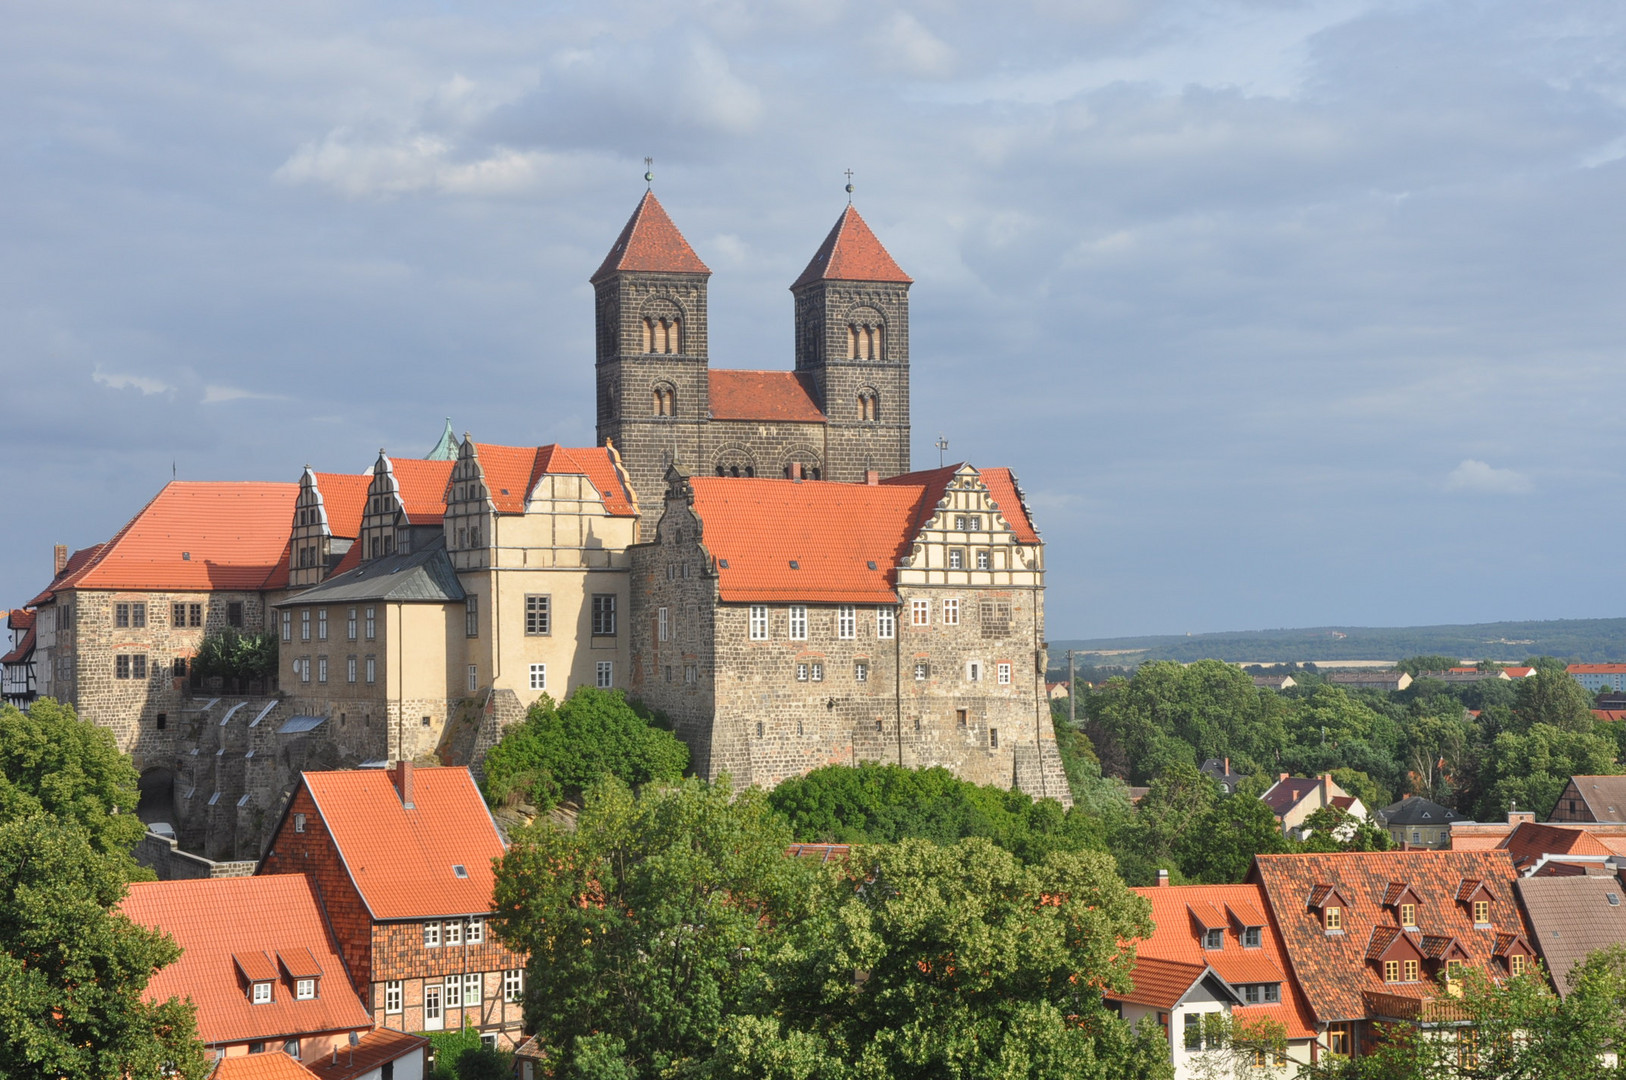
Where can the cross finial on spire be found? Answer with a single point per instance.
(649, 172)
(849, 187)
(942, 445)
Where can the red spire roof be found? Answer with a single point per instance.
(851, 253)
(650, 242)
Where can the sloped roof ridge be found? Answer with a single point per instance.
(650, 242)
(851, 252)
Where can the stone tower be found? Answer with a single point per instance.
(650, 311)
(852, 349)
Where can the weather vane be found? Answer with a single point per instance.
(849, 187)
(942, 446)
(649, 171)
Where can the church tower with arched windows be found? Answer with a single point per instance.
(841, 413)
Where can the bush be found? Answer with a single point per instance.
(232, 654)
(561, 749)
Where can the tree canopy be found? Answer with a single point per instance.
(563, 748)
(52, 762)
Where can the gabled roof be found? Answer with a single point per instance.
(1012, 507)
(1571, 916)
(344, 501)
(274, 1065)
(423, 488)
(851, 252)
(25, 644)
(512, 473)
(195, 535)
(215, 920)
(1605, 796)
(20, 619)
(402, 861)
(1175, 951)
(75, 564)
(651, 243)
(424, 576)
(1530, 840)
(1596, 669)
(1288, 793)
(376, 1047)
(1332, 968)
(762, 395)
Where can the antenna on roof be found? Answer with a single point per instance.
(172, 470)
(942, 445)
(649, 172)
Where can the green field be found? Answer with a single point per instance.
(1579, 640)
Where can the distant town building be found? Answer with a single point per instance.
(1274, 682)
(1592, 798)
(1464, 675)
(1390, 681)
(1220, 770)
(17, 682)
(1596, 677)
(1419, 822)
(1294, 798)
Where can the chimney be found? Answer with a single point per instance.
(401, 777)
(872, 477)
(59, 559)
(1281, 778)
(796, 470)
(1163, 879)
(1227, 766)
(1516, 818)
(1326, 788)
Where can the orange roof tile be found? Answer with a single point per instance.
(834, 533)
(651, 243)
(1519, 672)
(1611, 716)
(851, 252)
(1161, 983)
(1596, 669)
(25, 645)
(1176, 940)
(1012, 507)
(214, 921)
(20, 619)
(1531, 840)
(344, 500)
(1332, 968)
(268, 1066)
(376, 1047)
(75, 565)
(512, 472)
(196, 535)
(403, 861)
(762, 395)
(423, 488)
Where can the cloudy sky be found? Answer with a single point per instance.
(1285, 313)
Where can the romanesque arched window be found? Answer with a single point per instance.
(663, 334)
(865, 334)
(665, 400)
(869, 405)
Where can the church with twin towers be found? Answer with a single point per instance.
(842, 414)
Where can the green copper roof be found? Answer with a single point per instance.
(446, 448)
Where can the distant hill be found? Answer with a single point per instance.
(1580, 640)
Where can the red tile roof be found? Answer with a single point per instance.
(423, 488)
(214, 921)
(376, 1047)
(1175, 941)
(1519, 672)
(821, 852)
(512, 472)
(1610, 715)
(76, 563)
(1286, 794)
(1332, 968)
(1596, 669)
(344, 500)
(651, 243)
(833, 532)
(274, 1065)
(1012, 507)
(762, 395)
(1531, 840)
(232, 536)
(1161, 983)
(25, 645)
(402, 861)
(20, 619)
(851, 252)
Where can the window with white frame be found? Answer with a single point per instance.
(454, 991)
(372, 669)
(923, 671)
(305, 624)
(846, 622)
(350, 624)
(973, 671)
(861, 671)
(477, 930)
(350, 669)
(956, 559)
(454, 932)
(431, 935)
(920, 613)
(798, 622)
(1004, 672)
(886, 622)
(982, 558)
(759, 622)
(473, 991)
(372, 624)
(691, 674)
(474, 677)
(663, 629)
(606, 674)
(951, 612)
(817, 672)
(513, 984)
(801, 672)
(287, 626)
(539, 676)
(262, 993)
(603, 615)
(321, 669)
(304, 989)
(321, 625)
(538, 614)
(392, 996)
(305, 669)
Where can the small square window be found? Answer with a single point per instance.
(539, 676)
(305, 990)
(801, 672)
(923, 671)
(817, 672)
(1004, 672)
(454, 929)
(606, 674)
(1213, 939)
(299, 823)
(262, 993)
(982, 559)
(431, 935)
(477, 930)
(956, 559)
(1252, 937)
(860, 671)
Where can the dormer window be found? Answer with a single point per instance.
(261, 994)
(1481, 912)
(1213, 939)
(1331, 903)
(305, 990)
(1332, 918)
(1252, 937)
(1408, 916)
